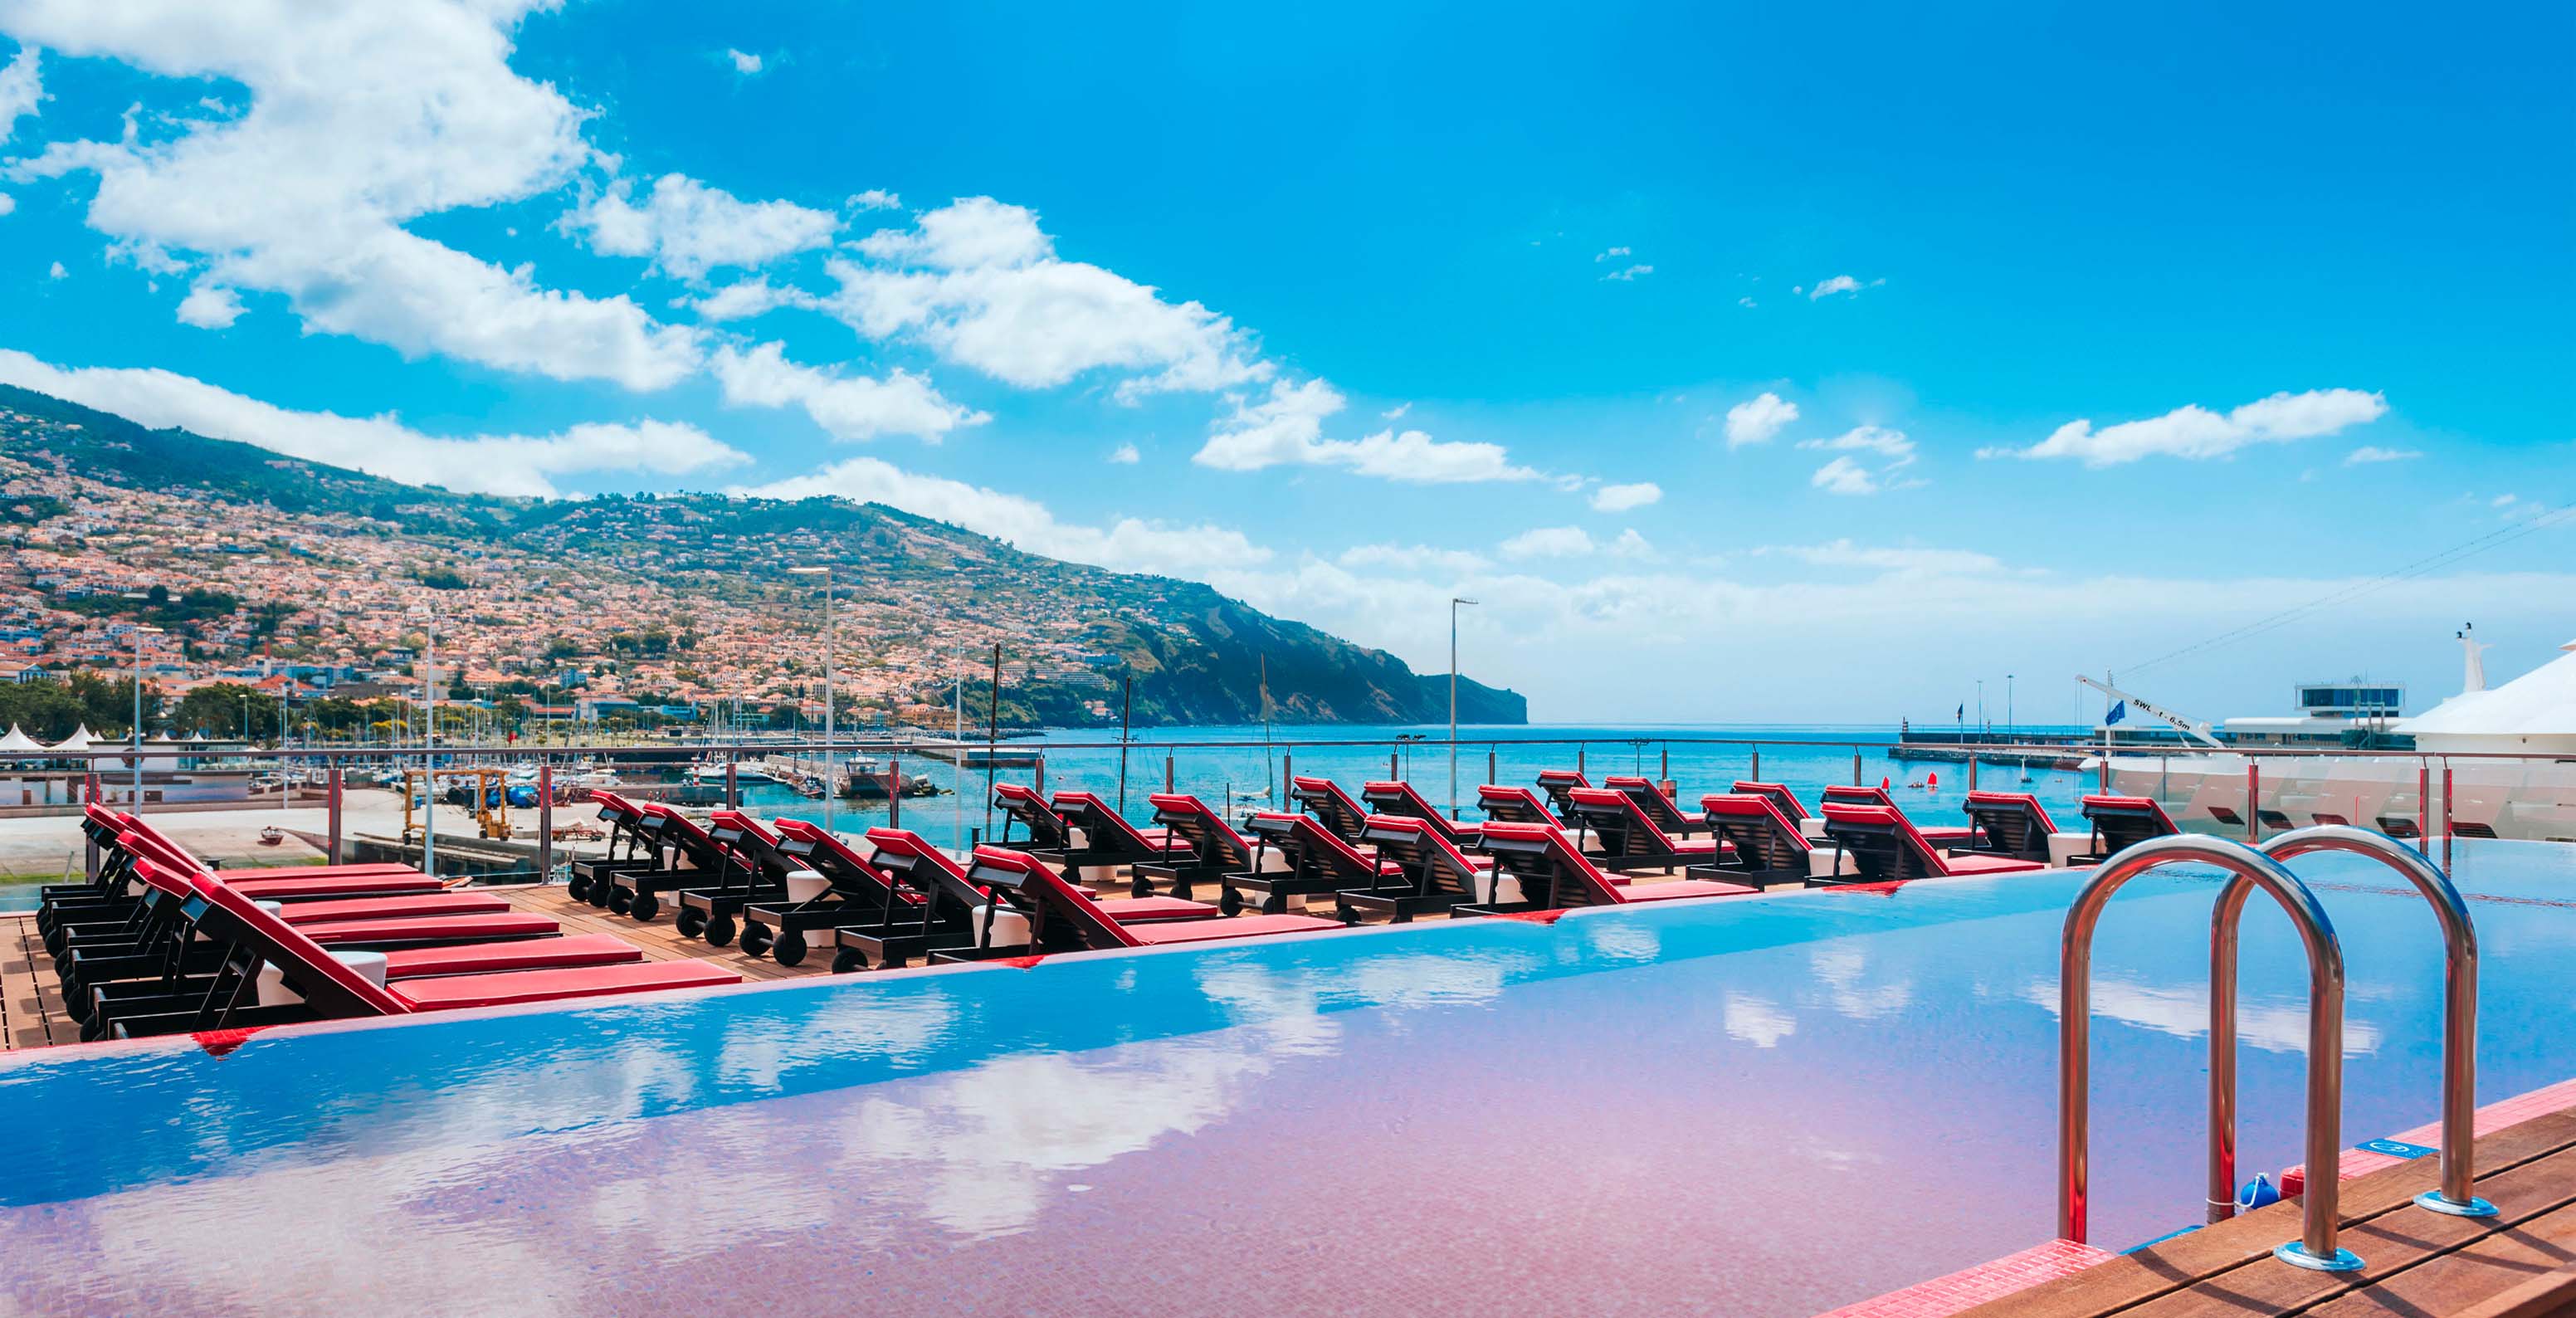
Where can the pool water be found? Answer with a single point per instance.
(1755, 1106)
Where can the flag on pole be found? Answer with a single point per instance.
(1962, 715)
(2118, 712)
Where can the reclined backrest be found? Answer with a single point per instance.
(1513, 805)
(1883, 840)
(1432, 861)
(1047, 831)
(1760, 834)
(1395, 797)
(851, 874)
(1615, 818)
(1316, 849)
(693, 843)
(2120, 822)
(1780, 797)
(1652, 802)
(329, 987)
(1557, 782)
(1551, 872)
(924, 870)
(2010, 823)
(1210, 838)
(1048, 898)
(1858, 794)
(1325, 800)
(1104, 830)
(750, 839)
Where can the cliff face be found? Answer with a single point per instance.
(700, 583)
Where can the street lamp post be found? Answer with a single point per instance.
(428, 742)
(141, 630)
(2008, 709)
(1454, 602)
(831, 774)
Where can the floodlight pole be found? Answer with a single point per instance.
(1454, 602)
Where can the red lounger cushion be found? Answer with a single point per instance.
(1975, 864)
(348, 885)
(1658, 892)
(377, 908)
(1241, 926)
(516, 986)
(1127, 910)
(429, 928)
(1943, 834)
(237, 877)
(525, 954)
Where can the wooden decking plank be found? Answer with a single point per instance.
(2135, 1279)
(2389, 1244)
(2494, 1266)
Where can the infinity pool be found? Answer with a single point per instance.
(1759, 1106)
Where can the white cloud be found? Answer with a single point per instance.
(1621, 498)
(1396, 412)
(1128, 545)
(1905, 560)
(210, 306)
(1286, 428)
(1613, 252)
(2196, 432)
(1548, 542)
(1126, 455)
(7, 203)
(1746, 302)
(980, 283)
(688, 228)
(744, 62)
(1839, 284)
(381, 445)
(874, 199)
(1844, 476)
(1632, 545)
(22, 89)
(2369, 453)
(1757, 419)
(1629, 275)
(1891, 444)
(846, 407)
(360, 119)
(745, 299)
(1414, 558)
(56, 271)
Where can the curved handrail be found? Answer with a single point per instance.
(2316, 1246)
(2457, 1195)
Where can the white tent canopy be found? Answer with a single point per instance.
(18, 740)
(2535, 712)
(80, 740)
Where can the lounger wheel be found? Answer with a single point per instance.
(847, 960)
(645, 906)
(1275, 904)
(790, 950)
(577, 888)
(1140, 886)
(720, 930)
(755, 939)
(1230, 902)
(619, 901)
(689, 922)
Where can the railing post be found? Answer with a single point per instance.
(1493, 765)
(1392, 773)
(545, 821)
(733, 785)
(1972, 771)
(1170, 776)
(894, 791)
(1578, 758)
(1757, 764)
(1855, 766)
(1665, 771)
(332, 787)
(1287, 775)
(2423, 802)
(1041, 785)
(2446, 814)
(2253, 801)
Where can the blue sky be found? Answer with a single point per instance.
(1747, 363)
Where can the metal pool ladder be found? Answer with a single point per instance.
(2248, 869)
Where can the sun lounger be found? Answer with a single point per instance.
(1947, 835)
(1061, 918)
(1332, 807)
(328, 987)
(1556, 783)
(113, 893)
(1658, 807)
(1048, 833)
(632, 845)
(1438, 875)
(1105, 843)
(1764, 846)
(1553, 875)
(756, 875)
(1629, 840)
(954, 914)
(2121, 822)
(694, 860)
(868, 895)
(2009, 824)
(1514, 805)
(1392, 797)
(1784, 801)
(1886, 847)
(1211, 849)
(1319, 863)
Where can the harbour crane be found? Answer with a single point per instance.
(2196, 731)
